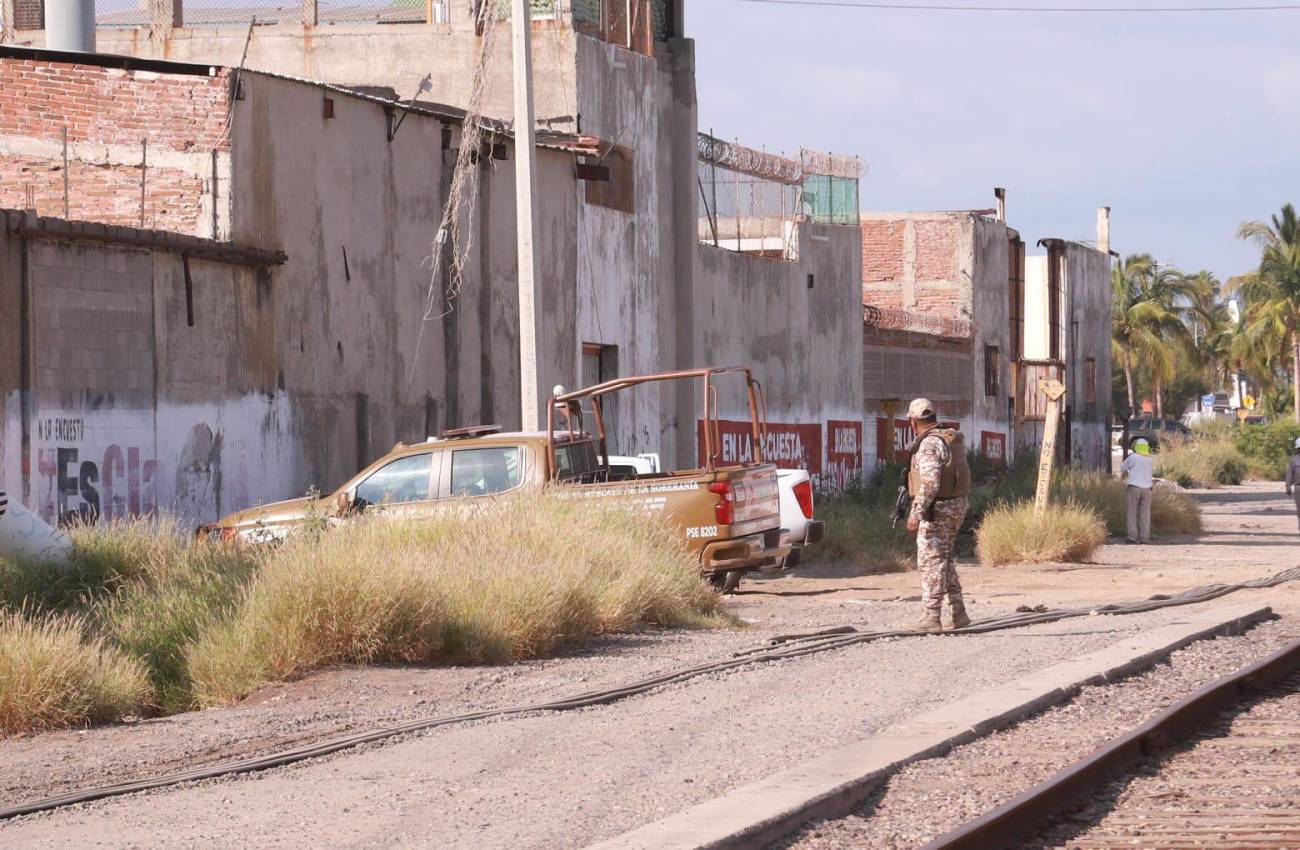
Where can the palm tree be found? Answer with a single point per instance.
(1272, 294)
(1147, 306)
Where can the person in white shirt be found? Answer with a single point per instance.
(1139, 470)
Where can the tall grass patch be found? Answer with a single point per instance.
(1210, 461)
(515, 578)
(1014, 533)
(859, 527)
(54, 674)
(1173, 512)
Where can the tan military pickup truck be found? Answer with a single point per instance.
(729, 515)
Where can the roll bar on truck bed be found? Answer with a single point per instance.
(569, 406)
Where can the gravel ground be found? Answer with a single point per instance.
(927, 799)
(566, 780)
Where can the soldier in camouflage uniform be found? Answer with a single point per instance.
(938, 481)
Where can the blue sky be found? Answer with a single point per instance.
(1184, 124)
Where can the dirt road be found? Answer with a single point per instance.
(564, 780)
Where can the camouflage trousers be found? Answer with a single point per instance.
(934, 550)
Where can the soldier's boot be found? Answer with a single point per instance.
(959, 618)
(929, 623)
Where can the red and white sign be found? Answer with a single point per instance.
(843, 452)
(788, 446)
(993, 446)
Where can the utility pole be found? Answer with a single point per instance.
(1053, 390)
(526, 224)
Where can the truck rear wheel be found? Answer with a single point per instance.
(727, 581)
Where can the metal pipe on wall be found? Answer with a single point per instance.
(70, 25)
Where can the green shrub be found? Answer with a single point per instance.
(1268, 448)
(493, 583)
(52, 675)
(1206, 462)
(858, 531)
(1013, 533)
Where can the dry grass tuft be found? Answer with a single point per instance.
(1172, 511)
(1206, 462)
(514, 578)
(1013, 533)
(53, 676)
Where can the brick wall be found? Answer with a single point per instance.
(917, 262)
(108, 114)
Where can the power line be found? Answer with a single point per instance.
(1082, 10)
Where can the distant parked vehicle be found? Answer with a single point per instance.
(1155, 430)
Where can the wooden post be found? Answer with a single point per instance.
(1054, 391)
(890, 406)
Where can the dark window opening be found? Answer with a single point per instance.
(1090, 380)
(992, 371)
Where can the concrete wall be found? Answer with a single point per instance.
(803, 342)
(991, 308)
(290, 378)
(1087, 289)
(1036, 316)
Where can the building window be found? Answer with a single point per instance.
(600, 364)
(609, 179)
(992, 371)
(1090, 380)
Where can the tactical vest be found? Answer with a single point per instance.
(954, 481)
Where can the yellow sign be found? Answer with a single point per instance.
(1250, 402)
(1242, 413)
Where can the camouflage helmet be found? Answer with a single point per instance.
(920, 408)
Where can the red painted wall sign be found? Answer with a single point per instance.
(993, 446)
(843, 452)
(788, 446)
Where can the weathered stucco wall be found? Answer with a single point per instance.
(625, 279)
(798, 325)
(1087, 288)
(991, 307)
(293, 377)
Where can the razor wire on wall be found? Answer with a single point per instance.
(750, 200)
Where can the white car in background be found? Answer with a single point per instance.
(798, 528)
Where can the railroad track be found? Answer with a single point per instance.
(1220, 769)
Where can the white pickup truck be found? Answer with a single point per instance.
(798, 528)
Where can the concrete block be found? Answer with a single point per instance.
(831, 785)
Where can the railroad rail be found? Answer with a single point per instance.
(777, 649)
(1235, 787)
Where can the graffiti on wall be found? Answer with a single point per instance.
(93, 465)
(843, 453)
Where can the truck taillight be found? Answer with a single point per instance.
(726, 508)
(803, 495)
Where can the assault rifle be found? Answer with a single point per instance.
(902, 506)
